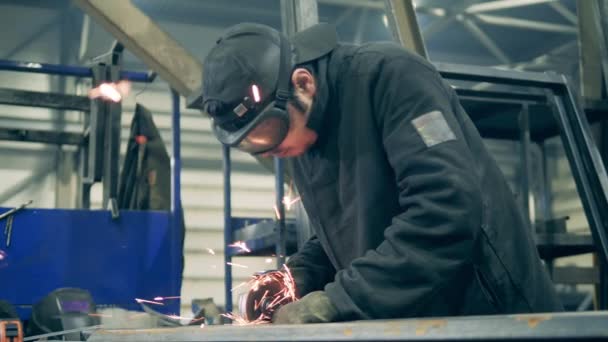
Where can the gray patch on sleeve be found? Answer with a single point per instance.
(433, 129)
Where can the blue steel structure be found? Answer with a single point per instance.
(68, 70)
(232, 224)
(137, 255)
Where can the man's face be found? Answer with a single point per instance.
(299, 137)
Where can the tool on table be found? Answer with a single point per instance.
(8, 228)
(11, 330)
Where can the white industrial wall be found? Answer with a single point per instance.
(26, 170)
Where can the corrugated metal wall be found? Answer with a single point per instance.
(27, 170)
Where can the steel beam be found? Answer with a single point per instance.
(502, 4)
(44, 100)
(438, 25)
(565, 12)
(146, 40)
(593, 50)
(507, 77)
(58, 138)
(404, 25)
(526, 24)
(298, 15)
(484, 39)
(557, 326)
(354, 3)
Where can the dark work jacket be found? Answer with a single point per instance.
(412, 216)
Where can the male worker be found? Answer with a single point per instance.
(412, 216)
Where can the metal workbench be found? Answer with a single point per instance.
(592, 326)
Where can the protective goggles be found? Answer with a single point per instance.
(265, 132)
(270, 121)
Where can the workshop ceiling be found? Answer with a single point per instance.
(511, 33)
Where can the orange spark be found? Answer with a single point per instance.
(290, 202)
(139, 300)
(160, 299)
(241, 245)
(211, 251)
(114, 92)
(276, 212)
(237, 265)
(239, 285)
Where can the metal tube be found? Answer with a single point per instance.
(281, 249)
(524, 127)
(176, 205)
(298, 15)
(507, 77)
(176, 193)
(227, 227)
(526, 24)
(67, 70)
(586, 165)
(502, 4)
(484, 39)
(402, 20)
(146, 40)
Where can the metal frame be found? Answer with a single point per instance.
(68, 70)
(593, 61)
(71, 102)
(402, 21)
(588, 170)
(146, 40)
(533, 327)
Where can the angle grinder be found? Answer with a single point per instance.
(266, 295)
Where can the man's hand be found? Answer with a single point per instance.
(312, 308)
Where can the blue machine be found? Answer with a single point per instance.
(137, 255)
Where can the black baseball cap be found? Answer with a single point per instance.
(248, 71)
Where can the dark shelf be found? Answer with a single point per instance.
(563, 244)
(497, 117)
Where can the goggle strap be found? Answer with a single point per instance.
(281, 99)
(283, 81)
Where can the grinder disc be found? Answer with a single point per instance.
(253, 304)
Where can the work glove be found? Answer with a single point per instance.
(302, 280)
(312, 308)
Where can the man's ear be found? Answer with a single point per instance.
(303, 82)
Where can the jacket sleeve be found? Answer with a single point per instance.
(310, 267)
(420, 269)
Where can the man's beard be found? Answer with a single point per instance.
(298, 104)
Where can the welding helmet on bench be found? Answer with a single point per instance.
(63, 309)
